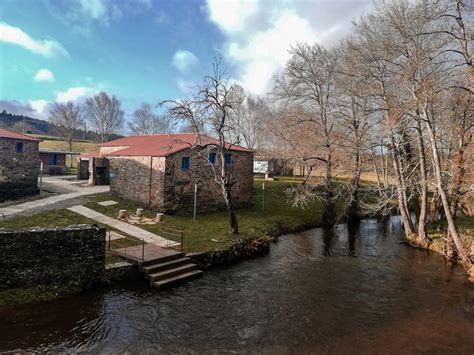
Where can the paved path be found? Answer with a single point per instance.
(124, 227)
(50, 201)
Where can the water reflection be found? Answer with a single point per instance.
(294, 299)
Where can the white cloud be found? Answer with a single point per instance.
(39, 106)
(183, 60)
(230, 16)
(260, 33)
(45, 47)
(95, 9)
(44, 75)
(74, 93)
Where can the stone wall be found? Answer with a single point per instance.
(160, 183)
(130, 179)
(179, 184)
(18, 171)
(71, 256)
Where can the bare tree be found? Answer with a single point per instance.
(308, 85)
(145, 120)
(67, 117)
(208, 113)
(104, 114)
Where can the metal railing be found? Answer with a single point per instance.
(125, 247)
(172, 232)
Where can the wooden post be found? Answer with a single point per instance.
(109, 239)
(263, 196)
(143, 249)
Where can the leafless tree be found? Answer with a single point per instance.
(208, 114)
(104, 114)
(145, 120)
(247, 118)
(307, 87)
(67, 117)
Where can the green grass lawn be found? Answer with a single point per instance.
(211, 230)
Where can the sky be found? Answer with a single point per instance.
(151, 50)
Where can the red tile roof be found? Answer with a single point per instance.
(160, 145)
(5, 133)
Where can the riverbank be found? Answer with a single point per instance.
(437, 233)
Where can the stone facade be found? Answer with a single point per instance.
(18, 170)
(161, 183)
(74, 255)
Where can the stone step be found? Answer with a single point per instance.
(175, 280)
(157, 276)
(150, 269)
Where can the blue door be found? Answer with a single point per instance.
(53, 159)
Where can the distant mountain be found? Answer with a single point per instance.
(26, 124)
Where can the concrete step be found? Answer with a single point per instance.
(160, 259)
(165, 274)
(175, 280)
(150, 269)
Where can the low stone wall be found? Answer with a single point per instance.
(242, 249)
(121, 271)
(72, 256)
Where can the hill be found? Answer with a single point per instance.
(30, 125)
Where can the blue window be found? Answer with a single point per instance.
(228, 159)
(19, 147)
(212, 158)
(53, 159)
(185, 163)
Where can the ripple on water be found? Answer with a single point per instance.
(350, 290)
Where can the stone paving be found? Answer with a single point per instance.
(48, 201)
(124, 227)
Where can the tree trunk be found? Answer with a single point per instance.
(422, 236)
(234, 227)
(353, 214)
(329, 218)
(404, 213)
(442, 193)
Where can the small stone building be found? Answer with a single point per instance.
(54, 160)
(161, 171)
(19, 165)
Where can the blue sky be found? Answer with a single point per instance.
(145, 50)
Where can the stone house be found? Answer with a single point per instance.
(54, 160)
(19, 165)
(161, 171)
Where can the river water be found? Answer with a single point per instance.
(342, 292)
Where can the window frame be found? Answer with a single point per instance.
(185, 166)
(17, 147)
(229, 160)
(213, 159)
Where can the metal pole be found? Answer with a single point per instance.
(195, 200)
(263, 196)
(41, 177)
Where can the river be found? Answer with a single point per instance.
(338, 292)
